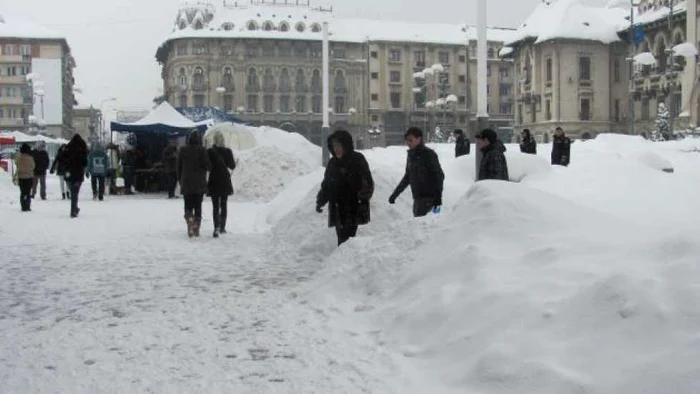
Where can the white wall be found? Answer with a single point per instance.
(51, 73)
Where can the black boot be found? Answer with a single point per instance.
(197, 226)
(222, 226)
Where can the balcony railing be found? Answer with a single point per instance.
(585, 83)
(199, 87)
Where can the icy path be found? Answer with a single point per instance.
(121, 301)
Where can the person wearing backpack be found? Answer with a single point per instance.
(347, 187)
(98, 166)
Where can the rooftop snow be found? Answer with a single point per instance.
(341, 30)
(574, 20)
(16, 28)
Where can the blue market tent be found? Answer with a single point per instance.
(164, 120)
(200, 114)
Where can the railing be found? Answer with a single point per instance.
(199, 87)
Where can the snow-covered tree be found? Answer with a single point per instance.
(662, 124)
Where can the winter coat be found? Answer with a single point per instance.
(192, 165)
(76, 159)
(41, 162)
(462, 146)
(424, 175)
(347, 185)
(59, 165)
(98, 163)
(170, 158)
(493, 163)
(561, 151)
(528, 145)
(25, 166)
(220, 177)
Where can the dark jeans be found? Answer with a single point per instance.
(193, 205)
(74, 188)
(422, 206)
(172, 183)
(345, 233)
(129, 174)
(39, 180)
(220, 204)
(25, 193)
(95, 181)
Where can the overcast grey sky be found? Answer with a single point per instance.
(115, 41)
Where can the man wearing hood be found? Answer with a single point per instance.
(423, 173)
(528, 144)
(493, 163)
(75, 161)
(98, 166)
(462, 143)
(192, 166)
(41, 161)
(347, 187)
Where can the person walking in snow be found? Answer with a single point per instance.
(24, 176)
(128, 169)
(462, 143)
(423, 173)
(527, 143)
(220, 185)
(76, 160)
(59, 168)
(41, 166)
(493, 164)
(561, 148)
(192, 166)
(98, 167)
(347, 187)
(169, 165)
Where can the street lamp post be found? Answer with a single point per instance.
(326, 99)
(482, 117)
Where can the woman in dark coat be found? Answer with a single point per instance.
(75, 160)
(192, 166)
(347, 187)
(220, 185)
(59, 168)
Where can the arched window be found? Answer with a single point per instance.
(252, 25)
(198, 76)
(491, 53)
(284, 26)
(315, 28)
(339, 107)
(300, 27)
(269, 81)
(316, 85)
(227, 80)
(227, 26)
(300, 83)
(661, 56)
(182, 78)
(252, 79)
(285, 81)
(268, 26)
(198, 24)
(183, 24)
(339, 83)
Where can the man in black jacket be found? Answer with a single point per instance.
(528, 143)
(42, 161)
(347, 187)
(423, 173)
(493, 164)
(462, 143)
(561, 148)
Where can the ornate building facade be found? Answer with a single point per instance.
(262, 62)
(581, 73)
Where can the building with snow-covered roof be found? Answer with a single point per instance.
(573, 67)
(262, 61)
(36, 78)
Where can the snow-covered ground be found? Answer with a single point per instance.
(572, 280)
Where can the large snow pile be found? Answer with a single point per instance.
(275, 162)
(578, 279)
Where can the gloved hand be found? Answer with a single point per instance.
(319, 208)
(436, 209)
(392, 199)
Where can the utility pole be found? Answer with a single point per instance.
(482, 116)
(631, 70)
(325, 129)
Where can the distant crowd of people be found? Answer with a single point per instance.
(348, 186)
